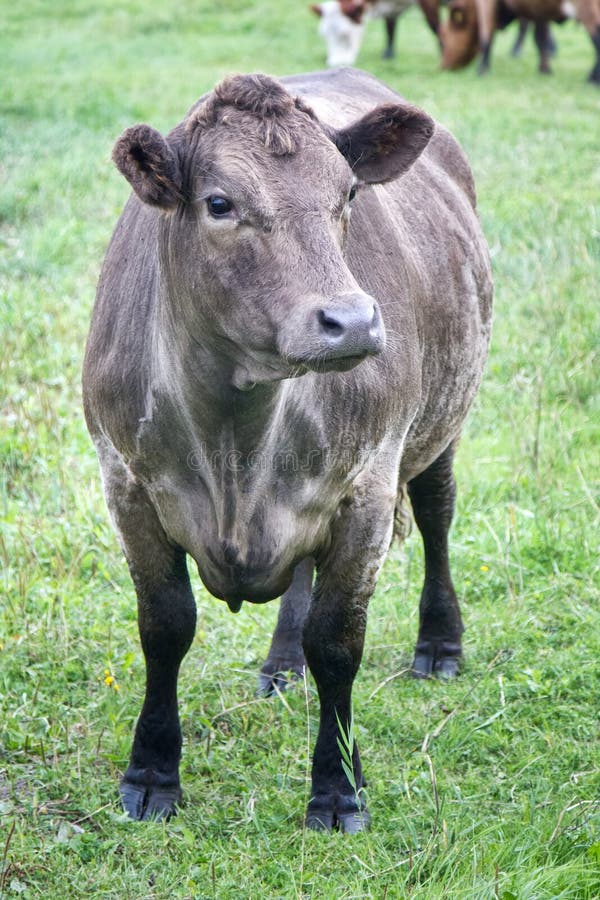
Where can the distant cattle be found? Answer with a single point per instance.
(343, 21)
(524, 27)
(470, 26)
(291, 325)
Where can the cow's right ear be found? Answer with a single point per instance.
(318, 10)
(148, 163)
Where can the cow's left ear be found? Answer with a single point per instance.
(150, 166)
(385, 143)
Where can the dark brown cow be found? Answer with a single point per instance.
(265, 369)
(471, 24)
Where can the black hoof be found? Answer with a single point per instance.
(146, 803)
(341, 813)
(440, 659)
(276, 676)
(319, 821)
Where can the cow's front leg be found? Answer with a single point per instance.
(485, 48)
(517, 47)
(150, 788)
(285, 653)
(432, 495)
(166, 618)
(333, 645)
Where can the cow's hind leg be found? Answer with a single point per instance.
(594, 76)
(150, 787)
(543, 44)
(285, 653)
(390, 34)
(432, 494)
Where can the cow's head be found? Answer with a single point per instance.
(459, 35)
(341, 26)
(256, 195)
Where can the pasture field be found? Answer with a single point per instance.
(488, 787)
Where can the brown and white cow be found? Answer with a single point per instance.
(291, 323)
(471, 24)
(342, 24)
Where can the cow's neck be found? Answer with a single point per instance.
(202, 381)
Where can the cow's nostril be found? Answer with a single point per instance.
(330, 324)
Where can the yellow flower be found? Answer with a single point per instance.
(485, 568)
(110, 681)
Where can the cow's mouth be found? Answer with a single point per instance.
(244, 380)
(337, 364)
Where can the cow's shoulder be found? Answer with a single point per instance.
(115, 371)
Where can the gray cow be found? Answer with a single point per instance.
(291, 325)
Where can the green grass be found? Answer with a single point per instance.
(485, 788)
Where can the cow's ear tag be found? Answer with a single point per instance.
(385, 142)
(148, 163)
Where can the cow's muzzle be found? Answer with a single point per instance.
(353, 328)
(339, 334)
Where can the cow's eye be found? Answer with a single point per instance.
(219, 206)
(352, 193)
